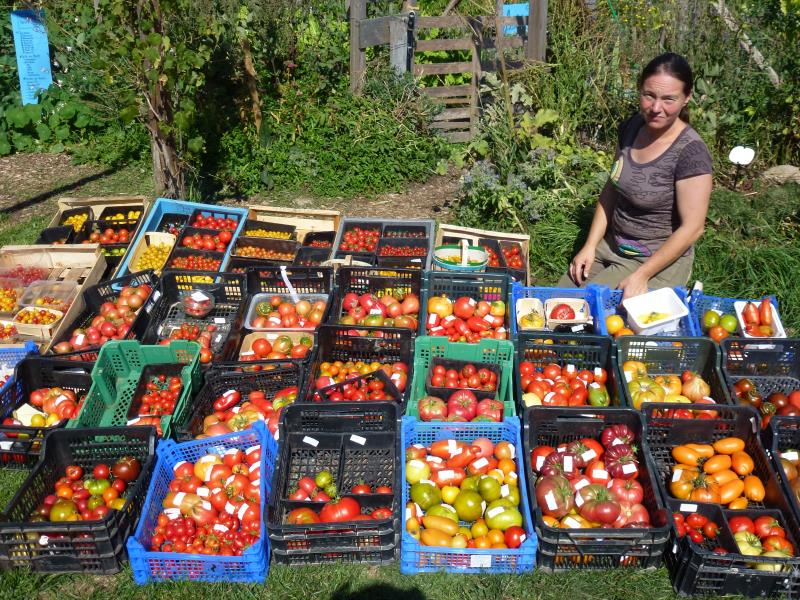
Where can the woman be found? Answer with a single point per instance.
(653, 208)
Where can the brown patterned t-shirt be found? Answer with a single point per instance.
(645, 212)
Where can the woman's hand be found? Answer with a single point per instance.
(581, 265)
(634, 284)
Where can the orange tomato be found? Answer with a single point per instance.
(65, 491)
(681, 489)
(551, 521)
(671, 383)
(705, 490)
(499, 546)
(684, 454)
(753, 488)
(702, 450)
(738, 504)
(742, 463)
(496, 537)
(110, 494)
(730, 491)
(482, 542)
(506, 465)
(504, 450)
(634, 367)
(724, 476)
(717, 463)
(729, 445)
(623, 331)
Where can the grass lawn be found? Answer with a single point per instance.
(751, 247)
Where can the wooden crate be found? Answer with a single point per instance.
(305, 221)
(473, 235)
(98, 204)
(83, 263)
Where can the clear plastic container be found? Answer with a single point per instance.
(10, 294)
(197, 303)
(58, 295)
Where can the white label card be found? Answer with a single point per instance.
(357, 439)
(480, 561)
(690, 508)
(629, 468)
(311, 441)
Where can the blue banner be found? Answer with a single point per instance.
(515, 10)
(33, 53)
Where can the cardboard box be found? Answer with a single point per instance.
(473, 235)
(305, 221)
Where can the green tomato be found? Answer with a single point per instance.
(470, 483)
(63, 510)
(443, 510)
(469, 505)
(489, 488)
(94, 501)
(96, 487)
(513, 495)
(501, 517)
(426, 495)
(323, 479)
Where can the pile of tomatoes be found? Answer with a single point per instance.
(494, 260)
(218, 223)
(263, 253)
(554, 385)
(762, 536)
(36, 316)
(381, 310)
(698, 527)
(454, 482)
(235, 410)
(470, 376)
(360, 389)
(720, 473)
(213, 506)
(338, 371)
(281, 347)
(162, 393)
(412, 251)
(513, 256)
(206, 241)
(109, 236)
(78, 497)
(360, 240)
(777, 403)
(27, 275)
(281, 313)
(337, 508)
(466, 320)
(586, 484)
(195, 262)
(462, 405)
(192, 332)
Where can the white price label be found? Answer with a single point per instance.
(220, 527)
(576, 328)
(579, 500)
(203, 492)
(589, 455)
(480, 561)
(569, 464)
(550, 501)
(676, 474)
(504, 490)
(581, 484)
(43, 540)
(79, 339)
(433, 459)
(311, 441)
(539, 462)
(690, 508)
(791, 455)
(472, 302)
(480, 463)
(357, 439)
(617, 442)
(156, 295)
(629, 468)
(219, 320)
(375, 311)
(570, 368)
(628, 376)
(451, 447)
(447, 474)
(493, 512)
(573, 523)
(599, 473)
(199, 297)
(489, 319)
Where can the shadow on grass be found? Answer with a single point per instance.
(59, 190)
(379, 591)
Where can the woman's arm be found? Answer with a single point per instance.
(580, 267)
(692, 195)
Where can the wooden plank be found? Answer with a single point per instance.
(447, 91)
(455, 101)
(458, 136)
(442, 68)
(451, 114)
(537, 30)
(450, 125)
(373, 32)
(450, 21)
(398, 45)
(358, 60)
(464, 43)
(513, 41)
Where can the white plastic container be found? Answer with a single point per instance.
(663, 300)
(579, 306)
(525, 306)
(777, 326)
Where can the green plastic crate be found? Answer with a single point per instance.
(496, 352)
(117, 372)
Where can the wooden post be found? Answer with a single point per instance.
(537, 30)
(398, 44)
(358, 63)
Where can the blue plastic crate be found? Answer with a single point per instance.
(518, 292)
(608, 301)
(165, 206)
(251, 567)
(10, 356)
(699, 303)
(416, 558)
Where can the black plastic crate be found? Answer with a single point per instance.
(222, 378)
(96, 547)
(696, 570)
(352, 555)
(311, 257)
(357, 257)
(228, 290)
(148, 372)
(783, 434)
(191, 231)
(304, 280)
(663, 432)
(479, 286)
(449, 363)
(62, 234)
(665, 355)
(319, 236)
(172, 223)
(241, 266)
(772, 365)
(369, 280)
(337, 342)
(584, 351)
(104, 218)
(324, 394)
(220, 213)
(564, 549)
(288, 247)
(19, 445)
(108, 291)
(186, 252)
(352, 224)
(406, 232)
(71, 212)
(357, 442)
(253, 225)
(403, 262)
